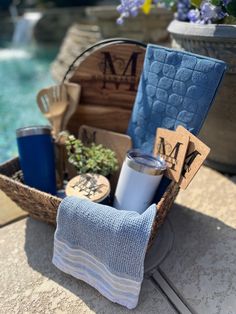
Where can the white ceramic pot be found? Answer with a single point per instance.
(219, 131)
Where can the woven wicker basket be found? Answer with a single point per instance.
(43, 206)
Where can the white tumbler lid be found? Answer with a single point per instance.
(145, 163)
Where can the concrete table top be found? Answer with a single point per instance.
(9, 211)
(201, 264)
(30, 283)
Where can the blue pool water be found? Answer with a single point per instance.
(23, 72)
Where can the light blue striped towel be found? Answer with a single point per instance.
(103, 246)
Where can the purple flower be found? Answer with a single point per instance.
(183, 7)
(128, 8)
(207, 13)
(194, 16)
(211, 13)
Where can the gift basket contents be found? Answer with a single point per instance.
(121, 142)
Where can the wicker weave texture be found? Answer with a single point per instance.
(40, 205)
(43, 206)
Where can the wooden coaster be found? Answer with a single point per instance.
(94, 187)
(196, 154)
(172, 146)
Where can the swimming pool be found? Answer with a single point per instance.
(23, 72)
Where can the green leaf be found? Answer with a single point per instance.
(196, 3)
(230, 20)
(95, 158)
(231, 8)
(216, 2)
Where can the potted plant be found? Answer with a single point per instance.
(152, 28)
(206, 27)
(93, 159)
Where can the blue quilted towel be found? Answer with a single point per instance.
(175, 88)
(103, 246)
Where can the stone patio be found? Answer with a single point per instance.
(9, 211)
(201, 265)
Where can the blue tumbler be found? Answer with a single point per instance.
(37, 160)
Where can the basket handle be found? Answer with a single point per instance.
(104, 42)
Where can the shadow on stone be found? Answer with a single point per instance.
(197, 237)
(202, 264)
(39, 248)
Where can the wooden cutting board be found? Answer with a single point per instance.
(104, 117)
(109, 78)
(119, 143)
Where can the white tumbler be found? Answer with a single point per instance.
(139, 179)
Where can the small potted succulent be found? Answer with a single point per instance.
(93, 159)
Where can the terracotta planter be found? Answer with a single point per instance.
(147, 28)
(219, 131)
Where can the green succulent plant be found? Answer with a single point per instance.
(93, 158)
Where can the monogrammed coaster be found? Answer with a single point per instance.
(196, 154)
(172, 146)
(91, 186)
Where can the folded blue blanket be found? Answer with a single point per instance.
(103, 246)
(175, 88)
